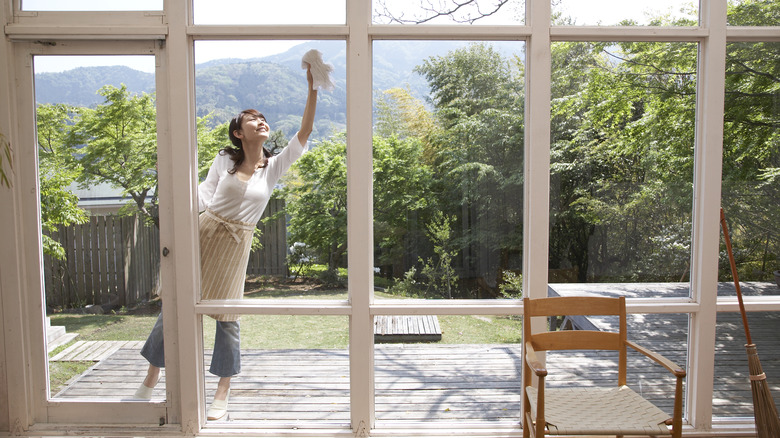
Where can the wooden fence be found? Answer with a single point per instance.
(115, 260)
(272, 258)
(109, 259)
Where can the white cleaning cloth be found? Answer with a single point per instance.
(320, 71)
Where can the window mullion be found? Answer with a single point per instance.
(179, 268)
(360, 216)
(536, 210)
(706, 227)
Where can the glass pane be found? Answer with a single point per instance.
(92, 5)
(480, 12)
(665, 334)
(753, 13)
(447, 368)
(100, 220)
(625, 13)
(751, 167)
(300, 247)
(293, 370)
(448, 166)
(732, 395)
(622, 167)
(269, 12)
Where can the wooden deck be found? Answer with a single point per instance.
(414, 382)
(454, 383)
(406, 328)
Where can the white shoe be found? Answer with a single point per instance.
(218, 408)
(143, 392)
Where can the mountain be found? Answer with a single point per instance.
(80, 86)
(275, 84)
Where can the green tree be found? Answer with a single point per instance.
(622, 159)
(439, 270)
(316, 200)
(116, 143)
(402, 185)
(400, 114)
(751, 144)
(56, 172)
(623, 119)
(210, 141)
(477, 153)
(316, 194)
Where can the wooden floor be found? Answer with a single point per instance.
(414, 382)
(468, 383)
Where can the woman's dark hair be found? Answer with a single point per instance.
(236, 153)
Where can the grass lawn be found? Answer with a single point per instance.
(269, 331)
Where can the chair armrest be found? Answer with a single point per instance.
(661, 360)
(533, 361)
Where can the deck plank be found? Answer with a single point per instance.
(413, 382)
(446, 382)
(406, 328)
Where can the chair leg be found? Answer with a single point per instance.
(527, 425)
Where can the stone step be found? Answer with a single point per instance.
(63, 339)
(94, 351)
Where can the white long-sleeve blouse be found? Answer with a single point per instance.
(245, 201)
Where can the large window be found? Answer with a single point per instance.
(751, 163)
(91, 5)
(235, 12)
(622, 165)
(481, 12)
(97, 155)
(448, 163)
(616, 12)
(751, 172)
(471, 153)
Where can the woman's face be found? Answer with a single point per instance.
(254, 128)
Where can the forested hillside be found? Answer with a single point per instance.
(275, 84)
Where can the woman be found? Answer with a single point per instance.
(232, 198)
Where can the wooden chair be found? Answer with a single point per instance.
(590, 410)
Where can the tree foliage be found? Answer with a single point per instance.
(56, 173)
(751, 144)
(116, 143)
(477, 153)
(316, 195)
(622, 159)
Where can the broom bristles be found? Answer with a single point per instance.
(764, 409)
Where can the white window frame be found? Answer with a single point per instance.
(22, 338)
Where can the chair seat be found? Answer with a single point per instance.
(602, 411)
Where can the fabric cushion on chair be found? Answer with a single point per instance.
(603, 411)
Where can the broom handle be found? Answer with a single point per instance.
(734, 274)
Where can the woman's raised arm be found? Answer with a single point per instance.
(307, 122)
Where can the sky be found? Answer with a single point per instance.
(288, 12)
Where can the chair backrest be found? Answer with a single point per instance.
(578, 339)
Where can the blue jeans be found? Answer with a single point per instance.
(226, 359)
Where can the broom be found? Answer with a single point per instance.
(767, 420)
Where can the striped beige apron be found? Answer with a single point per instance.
(224, 254)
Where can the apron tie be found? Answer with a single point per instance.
(232, 227)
